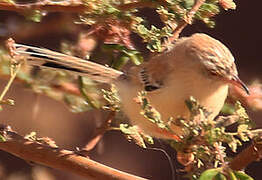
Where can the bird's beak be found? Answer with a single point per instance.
(237, 82)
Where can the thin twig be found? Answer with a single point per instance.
(13, 75)
(186, 20)
(99, 132)
(59, 158)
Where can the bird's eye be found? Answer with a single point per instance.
(151, 87)
(213, 73)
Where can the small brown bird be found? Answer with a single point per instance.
(198, 66)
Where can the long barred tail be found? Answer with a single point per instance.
(51, 59)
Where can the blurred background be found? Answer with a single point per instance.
(240, 30)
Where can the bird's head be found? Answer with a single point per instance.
(215, 58)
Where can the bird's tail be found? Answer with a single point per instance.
(55, 60)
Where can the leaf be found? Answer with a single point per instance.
(35, 16)
(120, 62)
(227, 4)
(133, 133)
(187, 4)
(149, 112)
(228, 109)
(77, 104)
(111, 96)
(242, 176)
(110, 47)
(137, 59)
(85, 87)
(142, 29)
(8, 1)
(31, 136)
(10, 102)
(134, 55)
(241, 112)
(220, 176)
(154, 45)
(232, 175)
(2, 138)
(243, 130)
(209, 174)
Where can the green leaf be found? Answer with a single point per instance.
(111, 47)
(76, 104)
(209, 174)
(111, 96)
(132, 133)
(242, 176)
(142, 29)
(85, 86)
(241, 112)
(232, 175)
(10, 102)
(220, 176)
(8, 1)
(35, 16)
(134, 55)
(243, 130)
(187, 4)
(120, 62)
(137, 59)
(228, 109)
(2, 138)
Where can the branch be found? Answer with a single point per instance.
(33, 31)
(79, 7)
(144, 4)
(186, 20)
(99, 132)
(67, 87)
(71, 7)
(58, 158)
(248, 155)
(63, 6)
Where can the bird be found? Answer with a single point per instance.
(197, 66)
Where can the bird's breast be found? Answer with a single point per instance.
(170, 99)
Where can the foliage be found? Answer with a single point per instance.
(115, 20)
(112, 98)
(171, 13)
(14, 68)
(203, 143)
(218, 174)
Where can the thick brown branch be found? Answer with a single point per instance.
(133, 5)
(248, 155)
(58, 7)
(58, 158)
(145, 4)
(66, 6)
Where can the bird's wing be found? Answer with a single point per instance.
(154, 73)
(51, 59)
